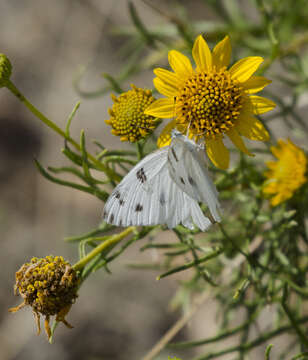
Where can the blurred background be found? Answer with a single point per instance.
(118, 316)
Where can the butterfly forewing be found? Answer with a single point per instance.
(128, 203)
(187, 167)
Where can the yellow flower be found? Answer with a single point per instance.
(210, 100)
(127, 117)
(49, 285)
(287, 174)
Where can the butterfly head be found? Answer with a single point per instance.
(176, 134)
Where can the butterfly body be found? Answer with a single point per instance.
(152, 192)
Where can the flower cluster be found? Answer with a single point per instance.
(208, 102)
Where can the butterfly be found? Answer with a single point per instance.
(165, 188)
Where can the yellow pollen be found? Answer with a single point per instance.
(209, 103)
(127, 117)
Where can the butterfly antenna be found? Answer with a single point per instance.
(174, 113)
(188, 127)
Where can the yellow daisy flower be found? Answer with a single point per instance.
(127, 117)
(211, 100)
(287, 174)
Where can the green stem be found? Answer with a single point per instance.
(140, 150)
(260, 340)
(292, 319)
(293, 47)
(268, 351)
(112, 241)
(58, 130)
(207, 257)
(301, 356)
(223, 335)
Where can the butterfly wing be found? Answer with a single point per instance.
(130, 202)
(188, 169)
(148, 196)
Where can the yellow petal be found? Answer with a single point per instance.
(180, 64)
(252, 128)
(255, 84)
(222, 53)
(238, 142)
(260, 104)
(218, 153)
(168, 77)
(244, 68)
(202, 54)
(165, 136)
(272, 165)
(276, 200)
(277, 151)
(161, 108)
(164, 88)
(270, 187)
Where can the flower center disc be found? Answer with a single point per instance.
(209, 103)
(127, 115)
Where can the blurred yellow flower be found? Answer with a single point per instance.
(127, 117)
(287, 174)
(211, 101)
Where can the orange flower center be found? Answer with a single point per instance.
(209, 103)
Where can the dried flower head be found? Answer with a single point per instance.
(49, 285)
(127, 117)
(287, 174)
(212, 101)
(5, 70)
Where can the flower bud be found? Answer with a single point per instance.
(127, 117)
(5, 70)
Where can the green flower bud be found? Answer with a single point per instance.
(5, 70)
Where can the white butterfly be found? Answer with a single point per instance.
(165, 188)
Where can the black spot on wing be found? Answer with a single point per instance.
(105, 214)
(111, 218)
(141, 175)
(120, 222)
(191, 181)
(121, 202)
(138, 208)
(162, 199)
(117, 194)
(182, 180)
(174, 155)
